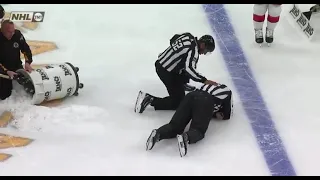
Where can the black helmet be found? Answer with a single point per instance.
(209, 42)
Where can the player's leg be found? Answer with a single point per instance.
(202, 111)
(259, 11)
(178, 122)
(274, 11)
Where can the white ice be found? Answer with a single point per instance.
(288, 77)
(115, 47)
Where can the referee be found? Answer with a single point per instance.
(199, 107)
(175, 66)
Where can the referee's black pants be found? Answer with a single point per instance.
(175, 87)
(197, 106)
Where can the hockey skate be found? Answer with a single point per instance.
(183, 142)
(258, 36)
(143, 100)
(269, 36)
(152, 140)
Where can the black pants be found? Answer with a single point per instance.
(6, 85)
(175, 87)
(198, 106)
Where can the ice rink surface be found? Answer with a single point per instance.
(274, 130)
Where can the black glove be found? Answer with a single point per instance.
(189, 88)
(184, 77)
(307, 14)
(2, 12)
(315, 8)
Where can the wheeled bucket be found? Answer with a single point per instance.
(51, 82)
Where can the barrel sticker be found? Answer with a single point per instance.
(57, 80)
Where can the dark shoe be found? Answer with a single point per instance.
(183, 142)
(153, 138)
(143, 100)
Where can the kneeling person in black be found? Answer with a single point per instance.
(175, 66)
(12, 42)
(200, 106)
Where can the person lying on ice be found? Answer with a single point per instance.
(200, 106)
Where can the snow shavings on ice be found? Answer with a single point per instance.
(75, 119)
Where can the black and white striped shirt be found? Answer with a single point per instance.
(224, 96)
(182, 56)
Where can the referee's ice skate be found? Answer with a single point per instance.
(183, 144)
(143, 100)
(152, 140)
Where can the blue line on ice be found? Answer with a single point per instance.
(266, 134)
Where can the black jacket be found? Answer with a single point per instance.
(10, 52)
